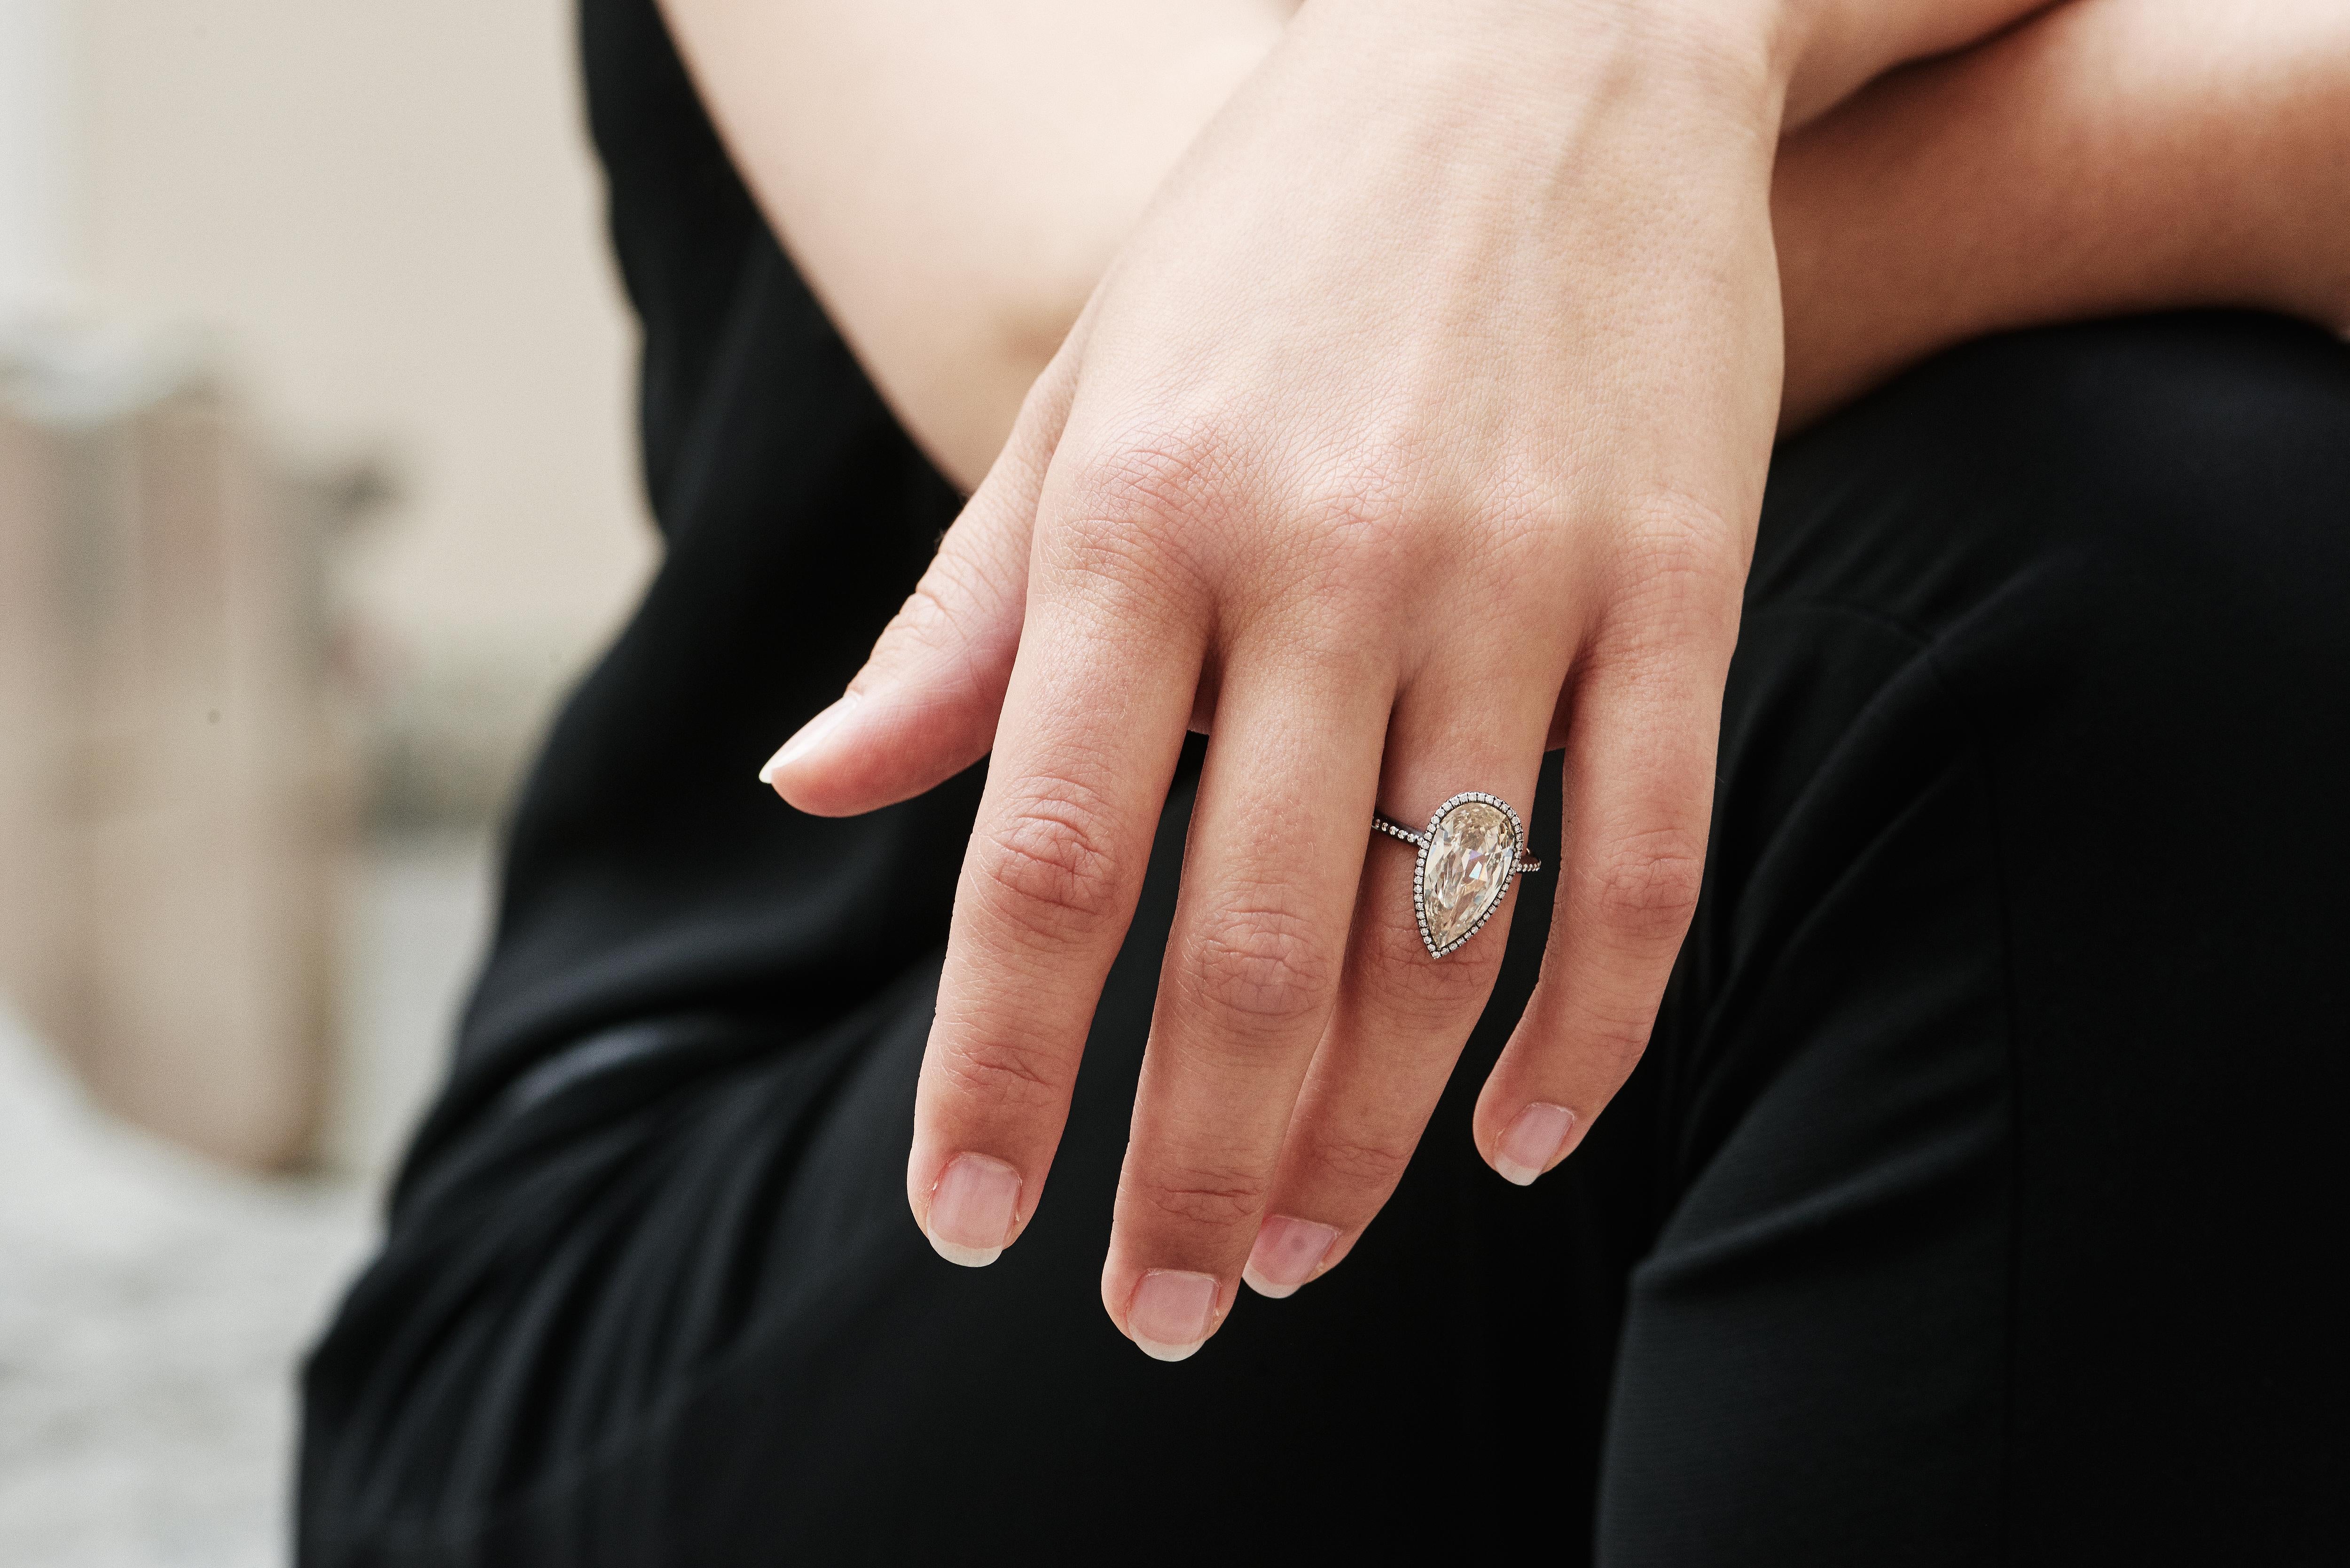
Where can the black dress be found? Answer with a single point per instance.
(1971, 1205)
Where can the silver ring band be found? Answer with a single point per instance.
(1382, 823)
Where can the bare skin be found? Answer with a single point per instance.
(956, 183)
(1431, 328)
(2110, 156)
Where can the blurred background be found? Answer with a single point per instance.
(316, 489)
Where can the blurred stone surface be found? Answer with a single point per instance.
(154, 1306)
(381, 229)
(150, 1309)
(181, 791)
(420, 923)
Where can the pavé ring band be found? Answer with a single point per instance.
(1469, 853)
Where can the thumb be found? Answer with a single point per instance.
(924, 707)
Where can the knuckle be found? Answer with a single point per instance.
(1004, 1075)
(1647, 888)
(1122, 563)
(1683, 563)
(1371, 494)
(1376, 515)
(1374, 1165)
(951, 586)
(1613, 1033)
(1261, 963)
(1350, 560)
(1209, 1197)
(959, 628)
(1133, 508)
(1162, 468)
(1675, 530)
(1424, 991)
(1043, 865)
(932, 620)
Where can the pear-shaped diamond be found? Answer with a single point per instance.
(1466, 870)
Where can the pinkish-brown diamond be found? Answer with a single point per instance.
(1469, 859)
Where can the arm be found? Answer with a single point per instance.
(2101, 157)
(953, 179)
(955, 182)
(2111, 156)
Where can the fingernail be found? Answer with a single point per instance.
(1287, 1253)
(971, 1210)
(1533, 1141)
(1171, 1312)
(808, 738)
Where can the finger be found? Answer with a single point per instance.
(1639, 782)
(925, 705)
(1401, 1016)
(1093, 723)
(1250, 972)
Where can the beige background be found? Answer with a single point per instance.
(381, 222)
(387, 217)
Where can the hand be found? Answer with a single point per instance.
(1421, 425)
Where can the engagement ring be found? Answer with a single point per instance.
(1468, 852)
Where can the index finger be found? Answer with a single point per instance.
(1093, 720)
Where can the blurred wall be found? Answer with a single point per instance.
(387, 217)
(362, 245)
(35, 87)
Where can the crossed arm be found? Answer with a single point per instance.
(2106, 157)
(1324, 341)
(956, 180)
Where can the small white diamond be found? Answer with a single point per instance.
(1465, 870)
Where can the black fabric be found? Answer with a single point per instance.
(1972, 1206)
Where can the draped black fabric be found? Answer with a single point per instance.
(1971, 1205)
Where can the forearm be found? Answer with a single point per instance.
(1834, 47)
(954, 188)
(2112, 156)
(953, 181)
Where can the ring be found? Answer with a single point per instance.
(1469, 853)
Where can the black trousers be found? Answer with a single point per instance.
(1971, 1205)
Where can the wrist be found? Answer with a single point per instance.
(1775, 62)
(1734, 56)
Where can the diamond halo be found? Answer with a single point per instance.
(1473, 848)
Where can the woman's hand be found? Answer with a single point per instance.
(955, 182)
(1421, 426)
(1348, 405)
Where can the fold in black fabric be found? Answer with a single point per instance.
(1972, 1204)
